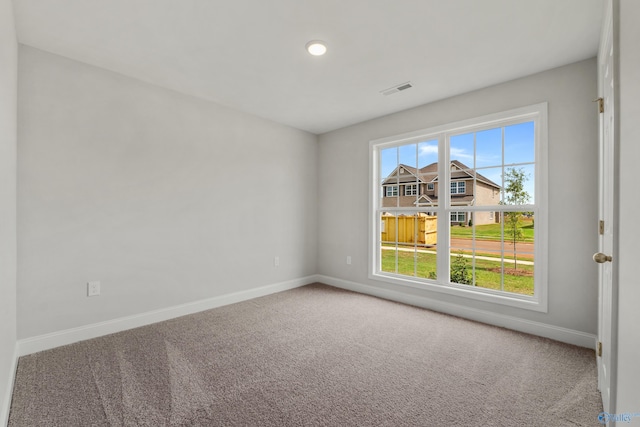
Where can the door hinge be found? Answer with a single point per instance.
(600, 102)
(601, 227)
(599, 349)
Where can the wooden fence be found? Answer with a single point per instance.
(420, 228)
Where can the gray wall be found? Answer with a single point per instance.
(8, 94)
(573, 150)
(628, 377)
(164, 198)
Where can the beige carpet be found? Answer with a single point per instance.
(313, 356)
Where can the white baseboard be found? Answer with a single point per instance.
(70, 336)
(557, 333)
(6, 403)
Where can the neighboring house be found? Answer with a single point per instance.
(407, 187)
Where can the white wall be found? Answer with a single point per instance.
(628, 378)
(164, 198)
(569, 90)
(8, 99)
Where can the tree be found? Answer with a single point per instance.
(515, 194)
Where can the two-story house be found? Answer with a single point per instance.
(407, 186)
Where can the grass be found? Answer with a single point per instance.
(508, 255)
(487, 273)
(492, 231)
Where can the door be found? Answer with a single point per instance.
(606, 211)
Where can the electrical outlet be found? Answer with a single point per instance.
(93, 289)
(276, 261)
(348, 259)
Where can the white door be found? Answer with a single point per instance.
(606, 201)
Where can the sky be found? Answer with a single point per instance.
(486, 154)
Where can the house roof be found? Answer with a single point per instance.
(411, 177)
(429, 174)
(425, 200)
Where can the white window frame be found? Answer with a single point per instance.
(457, 214)
(431, 186)
(460, 187)
(411, 189)
(536, 302)
(392, 193)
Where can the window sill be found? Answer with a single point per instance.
(526, 302)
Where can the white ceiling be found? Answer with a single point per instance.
(249, 54)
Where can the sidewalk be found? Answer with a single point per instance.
(486, 258)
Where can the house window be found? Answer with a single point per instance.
(491, 247)
(411, 190)
(391, 190)
(458, 216)
(458, 187)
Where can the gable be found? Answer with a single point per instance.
(403, 174)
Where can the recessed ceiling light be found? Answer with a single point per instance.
(316, 47)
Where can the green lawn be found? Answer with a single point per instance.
(521, 282)
(491, 231)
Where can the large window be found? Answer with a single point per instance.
(483, 233)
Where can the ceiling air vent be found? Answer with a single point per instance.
(397, 88)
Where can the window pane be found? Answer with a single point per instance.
(518, 274)
(489, 148)
(529, 183)
(519, 185)
(388, 161)
(408, 244)
(481, 255)
(428, 191)
(487, 267)
(461, 250)
(461, 188)
(488, 186)
(388, 258)
(428, 154)
(461, 149)
(388, 242)
(388, 165)
(428, 163)
(408, 155)
(519, 246)
(519, 143)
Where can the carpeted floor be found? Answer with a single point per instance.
(312, 356)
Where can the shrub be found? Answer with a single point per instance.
(460, 270)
